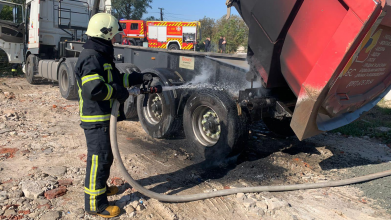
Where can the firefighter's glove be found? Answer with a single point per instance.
(120, 93)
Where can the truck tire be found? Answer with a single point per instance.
(67, 90)
(215, 129)
(130, 105)
(31, 66)
(173, 46)
(3, 58)
(157, 113)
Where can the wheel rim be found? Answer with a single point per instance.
(206, 125)
(153, 112)
(64, 80)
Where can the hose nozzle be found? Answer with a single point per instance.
(152, 89)
(135, 91)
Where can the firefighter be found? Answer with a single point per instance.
(100, 83)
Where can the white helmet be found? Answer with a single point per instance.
(103, 25)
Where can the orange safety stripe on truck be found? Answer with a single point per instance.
(163, 46)
(177, 39)
(188, 47)
(142, 29)
(180, 24)
(152, 44)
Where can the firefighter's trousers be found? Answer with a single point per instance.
(99, 161)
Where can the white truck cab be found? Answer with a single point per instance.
(52, 21)
(36, 34)
(38, 27)
(11, 31)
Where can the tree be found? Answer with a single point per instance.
(130, 9)
(152, 18)
(234, 30)
(207, 25)
(6, 13)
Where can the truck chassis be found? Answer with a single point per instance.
(212, 95)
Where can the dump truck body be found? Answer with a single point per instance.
(333, 55)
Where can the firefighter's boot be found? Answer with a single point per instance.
(110, 212)
(112, 190)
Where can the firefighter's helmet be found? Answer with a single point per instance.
(103, 25)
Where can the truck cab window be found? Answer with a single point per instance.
(11, 23)
(123, 25)
(11, 13)
(134, 26)
(189, 37)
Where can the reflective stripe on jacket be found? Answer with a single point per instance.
(94, 76)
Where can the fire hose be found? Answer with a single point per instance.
(225, 192)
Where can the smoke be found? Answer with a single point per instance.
(204, 77)
(229, 79)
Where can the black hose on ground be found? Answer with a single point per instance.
(200, 196)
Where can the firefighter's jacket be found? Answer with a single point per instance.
(95, 72)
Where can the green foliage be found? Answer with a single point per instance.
(207, 25)
(6, 13)
(152, 18)
(19, 1)
(379, 116)
(234, 30)
(130, 9)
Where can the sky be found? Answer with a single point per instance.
(188, 10)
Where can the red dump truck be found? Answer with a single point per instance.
(312, 66)
(334, 55)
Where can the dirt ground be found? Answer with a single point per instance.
(43, 153)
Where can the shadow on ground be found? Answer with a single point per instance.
(254, 165)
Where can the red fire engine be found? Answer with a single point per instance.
(170, 35)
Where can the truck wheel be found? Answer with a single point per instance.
(31, 65)
(130, 106)
(68, 91)
(3, 58)
(213, 127)
(157, 113)
(173, 47)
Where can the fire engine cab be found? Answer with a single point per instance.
(170, 35)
